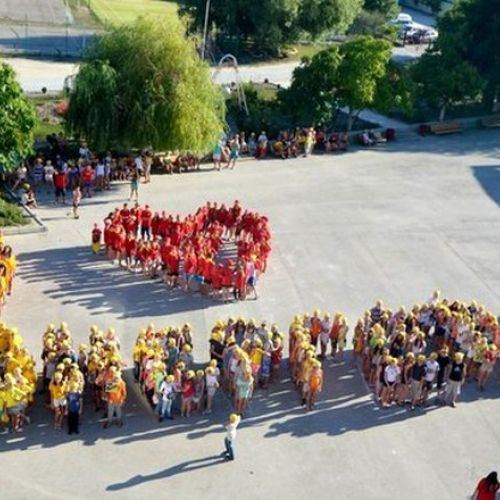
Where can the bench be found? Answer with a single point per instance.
(445, 128)
(491, 122)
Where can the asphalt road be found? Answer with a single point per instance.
(392, 222)
(35, 11)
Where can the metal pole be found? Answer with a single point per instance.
(205, 30)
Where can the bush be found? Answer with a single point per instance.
(11, 215)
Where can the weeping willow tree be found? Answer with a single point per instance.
(142, 84)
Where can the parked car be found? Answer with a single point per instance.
(420, 35)
(402, 20)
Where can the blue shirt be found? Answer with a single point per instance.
(74, 402)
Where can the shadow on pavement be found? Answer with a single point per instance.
(76, 276)
(187, 466)
(488, 177)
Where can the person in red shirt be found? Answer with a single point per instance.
(190, 265)
(173, 262)
(217, 274)
(146, 218)
(187, 390)
(108, 238)
(487, 488)
(60, 182)
(125, 212)
(130, 250)
(227, 280)
(87, 178)
(119, 244)
(155, 224)
(96, 239)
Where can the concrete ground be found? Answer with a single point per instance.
(392, 222)
(35, 11)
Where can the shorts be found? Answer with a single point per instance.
(59, 403)
(211, 390)
(15, 410)
(486, 369)
(388, 384)
(428, 385)
(217, 157)
(251, 281)
(60, 192)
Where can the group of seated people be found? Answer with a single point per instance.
(243, 355)
(8, 266)
(436, 346)
(69, 371)
(17, 379)
(188, 252)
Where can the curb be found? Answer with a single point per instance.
(35, 226)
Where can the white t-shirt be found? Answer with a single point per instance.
(99, 170)
(431, 368)
(166, 389)
(212, 380)
(391, 373)
(231, 431)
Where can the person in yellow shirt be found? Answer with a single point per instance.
(57, 389)
(9, 260)
(15, 402)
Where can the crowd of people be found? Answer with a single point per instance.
(189, 252)
(243, 354)
(287, 144)
(437, 346)
(17, 379)
(310, 337)
(69, 371)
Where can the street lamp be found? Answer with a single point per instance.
(205, 29)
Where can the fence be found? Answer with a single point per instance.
(62, 41)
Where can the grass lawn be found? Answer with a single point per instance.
(123, 11)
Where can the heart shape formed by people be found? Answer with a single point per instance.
(216, 251)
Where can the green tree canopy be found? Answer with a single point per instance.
(268, 25)
(470, 32)
(17, 120)
(311, 96)
(443, 80)
(357, 75)
(388, 8)
(142, 84)
(364, 66)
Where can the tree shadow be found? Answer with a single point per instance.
(473, 141)
(488, 177)
(76, 276)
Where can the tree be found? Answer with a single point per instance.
(311, 97)
(17, 120)
(388, 8)
(142, 84)
(444, 80)
(365, 62)
(268, 25)
(396, 90)
(357, 75)
(318, 16)
(470, 32)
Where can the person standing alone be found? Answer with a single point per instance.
(230, 438)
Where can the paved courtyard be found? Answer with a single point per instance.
(392, 223)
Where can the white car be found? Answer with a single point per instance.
(402, 20)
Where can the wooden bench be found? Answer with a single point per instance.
(441, 128)
(491, 122)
